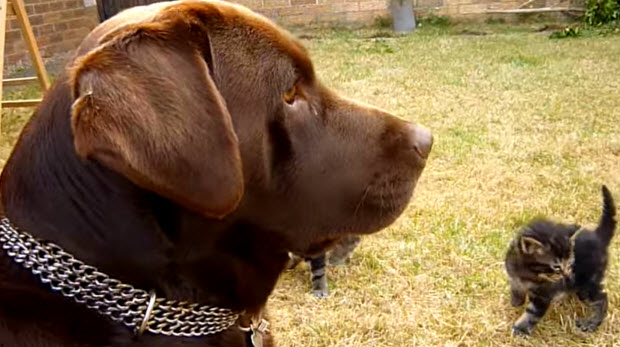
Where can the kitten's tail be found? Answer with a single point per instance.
(607, 224)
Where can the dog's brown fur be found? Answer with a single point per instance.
(169, 159)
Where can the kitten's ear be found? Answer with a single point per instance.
(530, 245)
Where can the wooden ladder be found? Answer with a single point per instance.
(33, 49)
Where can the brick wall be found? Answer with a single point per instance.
(59, 26)
(308, 12)
(478, 8)
(302, 12)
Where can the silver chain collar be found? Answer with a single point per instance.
(135, 308)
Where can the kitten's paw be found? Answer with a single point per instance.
(587, 325)
(320, 294)
(337, 261)
(519, 331)
(293, 261)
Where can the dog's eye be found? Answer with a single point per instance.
(290, 95)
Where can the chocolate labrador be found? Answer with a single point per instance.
(154, 196)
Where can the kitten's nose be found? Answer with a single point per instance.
(421, 139)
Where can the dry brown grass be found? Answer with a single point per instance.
(524, 125)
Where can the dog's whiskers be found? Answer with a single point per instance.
(359, 204)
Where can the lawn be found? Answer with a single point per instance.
(523, 125)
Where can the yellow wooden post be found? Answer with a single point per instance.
(3, 4)
(33, 49)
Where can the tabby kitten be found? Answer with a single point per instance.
(547, 260)
(338, 255)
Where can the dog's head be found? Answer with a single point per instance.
(219, 110)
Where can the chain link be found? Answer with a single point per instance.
(121, 302)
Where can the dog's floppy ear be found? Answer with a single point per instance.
(146, 107)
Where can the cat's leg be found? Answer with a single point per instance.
(597, 300)
(342, 251)
(534, 311)
(293, 261)
(318, 276)
(517, 293)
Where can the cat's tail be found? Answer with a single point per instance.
(607, 224)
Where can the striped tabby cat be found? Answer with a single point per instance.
(547, 260)
(318, 270)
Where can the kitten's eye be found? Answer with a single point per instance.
(556, 268)
(290, 95)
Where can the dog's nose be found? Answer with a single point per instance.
(421, 139)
